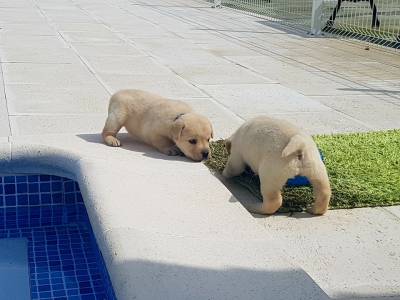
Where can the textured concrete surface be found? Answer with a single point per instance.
(163, 241)
(60, 61)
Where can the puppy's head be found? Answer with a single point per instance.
(192, 133)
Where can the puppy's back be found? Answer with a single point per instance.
(133, 101)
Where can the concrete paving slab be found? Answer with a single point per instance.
(56, 75)
(127, 65)
(207, 272)
(294, 77)
(35, 41)
(28, 29)
(16, 4)
(395, 210)
(224, 121)
(171, 86)
(167, 43)
(90, 36)
(178, 57)
(33, 98)
(106, 49)
(56, 123)
(38, 55)
(229, 49)
(249, 100)
(82, 27)
(225, 73)
(4, 118)
(365, 261)
(324, 122)
(68, 16)
(20, 15)
(384, 115)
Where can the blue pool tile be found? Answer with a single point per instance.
(22, 178)
(33, 178)
(45, 199)
(69, 198)
(79, 198)
(9, 179)
(69, 186)
(22, 199)
(9, 189)
(33, 187)
(60, 293)
(63, 258)
(44, 177)
(57, 198)
(11, 200)
(44, 295)
(34, 199)
(88, 297)
(22, 188)
(44, 187)
(56, 186)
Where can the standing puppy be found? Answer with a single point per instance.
(168, 125)
(277, 150)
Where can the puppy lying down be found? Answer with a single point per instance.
(168, 125)
(276, 150)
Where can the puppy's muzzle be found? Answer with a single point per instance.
(205, 154)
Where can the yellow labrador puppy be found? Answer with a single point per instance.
(168, 125)
(276, 150)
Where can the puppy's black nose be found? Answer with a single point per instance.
(205, 154)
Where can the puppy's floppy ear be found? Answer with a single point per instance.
(228, 146)
(177, 128)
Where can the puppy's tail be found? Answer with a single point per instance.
(296, 145)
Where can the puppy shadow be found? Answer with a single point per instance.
(247, 199)
(129, 144)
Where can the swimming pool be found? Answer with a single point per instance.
(64, 259)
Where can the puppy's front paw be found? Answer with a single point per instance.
(173, 151)
(318, 211)
(112, 141)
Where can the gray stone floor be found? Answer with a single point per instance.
(61, 60)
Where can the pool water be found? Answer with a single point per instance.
(64, 259)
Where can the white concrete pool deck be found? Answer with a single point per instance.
(168, 229)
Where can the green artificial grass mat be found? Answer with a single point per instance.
(364, 171)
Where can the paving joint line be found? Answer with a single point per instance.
(70, 46)
(6, 99)
(128, 41)
(229, 38)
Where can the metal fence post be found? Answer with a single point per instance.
(316, 17)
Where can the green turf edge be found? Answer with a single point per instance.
(364, 170)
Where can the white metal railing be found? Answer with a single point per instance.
(375, 21)
(295, 12)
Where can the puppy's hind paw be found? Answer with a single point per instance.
(112, 141)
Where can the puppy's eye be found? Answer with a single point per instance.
(208, 140)
(193, 141)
